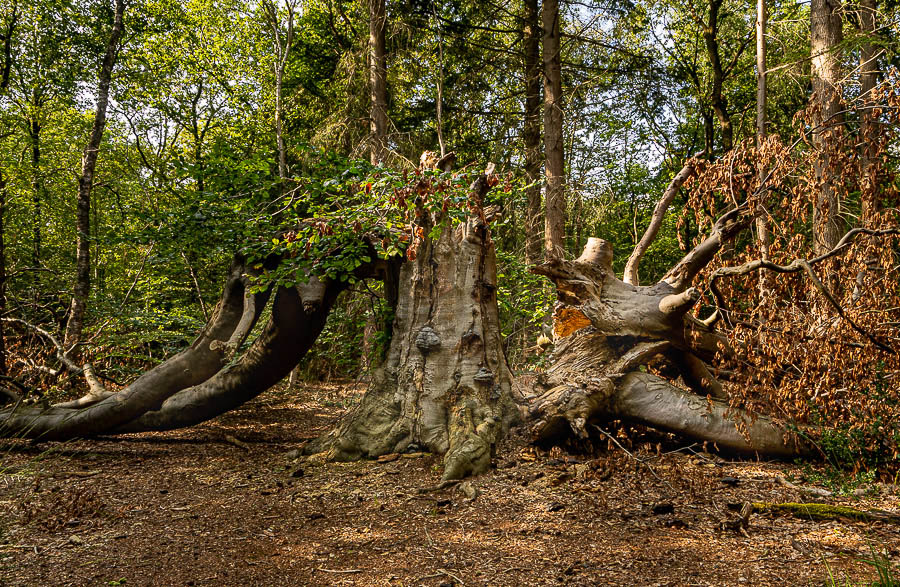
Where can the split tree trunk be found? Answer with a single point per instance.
(606, 330)
(445, 386)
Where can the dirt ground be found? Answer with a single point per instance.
(230, 503)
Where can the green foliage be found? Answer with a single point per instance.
(339, 207)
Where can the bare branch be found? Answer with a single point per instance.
(725, 228)
(60, 351)
(656, 220)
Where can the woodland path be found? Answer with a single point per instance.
(193, 508)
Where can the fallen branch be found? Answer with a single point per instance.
(656, 220)
(813, 490)
(238, 443)
(60, 351)
(340, 571)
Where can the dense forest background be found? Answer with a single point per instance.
(227, 122)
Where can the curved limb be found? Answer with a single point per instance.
(656, 220)
(200, 361)
(295, 324)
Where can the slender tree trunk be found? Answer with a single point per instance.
(2, 272)
(282, 50)
(85, 184)
(762, 222)
(868, 74)
(377, 80)
(709, 133)
(37, 188)
(716, 97)
(531, 131)
(825, 36)
(555, 197)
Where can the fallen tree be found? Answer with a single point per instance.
(445, 385)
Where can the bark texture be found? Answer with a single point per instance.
(555, 196)
(445, 386)
(531, 130)
(86, 183)
(377, 81)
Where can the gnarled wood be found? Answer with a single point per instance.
(606, 329)
(445, 385)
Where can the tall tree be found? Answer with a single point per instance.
(555, 196)
(377, 80)
(531, 131)
(82, 287)
(868, 121)
(282, 46)
(826, 35)
(762, 223)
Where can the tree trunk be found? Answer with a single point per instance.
(716, 96)
(377, 80)
(37, 187)
(85, 184)
(555, 196)
(7, 38)
(2, 272)
(868, 122)
(445, 386)
(763, 238)
(282, 50)
(531, 131)
(825, 36)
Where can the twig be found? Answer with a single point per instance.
(630, 454)
(340, 571)
(449, 574)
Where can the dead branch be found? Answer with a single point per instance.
(659, 213)
(798, 265)
(60, 351)
(725, 228)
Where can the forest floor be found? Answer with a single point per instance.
(230, 503)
